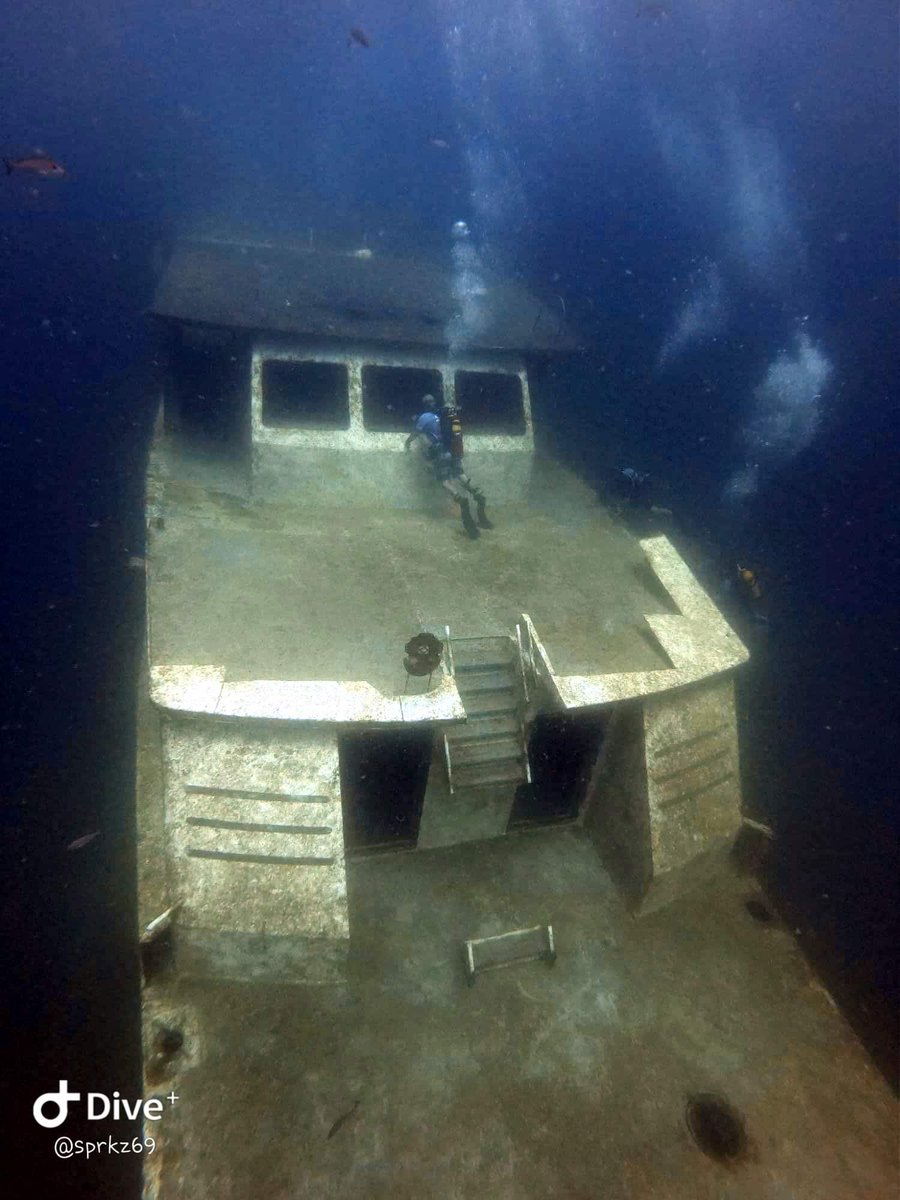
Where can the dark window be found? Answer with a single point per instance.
(305, 395)
(490, 403)
(392, 396)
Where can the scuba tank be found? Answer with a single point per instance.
(451, 431)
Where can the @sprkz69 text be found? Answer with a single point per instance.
(66, 1147)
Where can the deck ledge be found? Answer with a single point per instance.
(697, 640)
(202, 690)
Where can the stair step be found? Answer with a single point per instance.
(478, 668)
(487, 774)
(497, 750)
(479, 729)
(490, 704)
(472, 652)
(486, 681)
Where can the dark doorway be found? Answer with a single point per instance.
(208, 389)
(562, 751)
(383, 778)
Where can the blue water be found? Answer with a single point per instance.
(711, 197)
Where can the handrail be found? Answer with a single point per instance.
(536, 651)
(530, 651)
(521, 661)
(447, 761)
(522, 734)
(480, 637)
(446, 743)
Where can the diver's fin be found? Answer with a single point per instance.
(468, 524)
(483, 519)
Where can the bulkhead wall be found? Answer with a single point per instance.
(358, 466)
(319, 477)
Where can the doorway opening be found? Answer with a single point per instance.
(383, 779)
(562, 750)
(206, 391)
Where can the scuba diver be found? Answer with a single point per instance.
(440, 429)
(752, 593)
(632, 491)
(750, 582)
(632, 487)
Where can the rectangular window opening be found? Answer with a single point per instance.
(305, 395)
(392, 396)
(490, 402)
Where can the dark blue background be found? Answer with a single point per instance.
(604, 157)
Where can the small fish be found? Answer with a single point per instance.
(34, 164)
(342, 1119)
(357, 35)
(159, 925)
(84, 840)
(364, 253)
(766, 830)
(440, 143)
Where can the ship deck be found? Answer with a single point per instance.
(272, 591)
(537, 1082)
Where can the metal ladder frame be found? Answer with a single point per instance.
(522, 737)
(521, 661)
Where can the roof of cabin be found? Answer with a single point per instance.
(302, 290)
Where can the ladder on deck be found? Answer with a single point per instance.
(491, 749)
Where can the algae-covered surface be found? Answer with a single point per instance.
(272, 591)
(538, 1082)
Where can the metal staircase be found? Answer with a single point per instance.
(490, 749)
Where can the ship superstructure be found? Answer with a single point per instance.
(295, 548)
(289, 762)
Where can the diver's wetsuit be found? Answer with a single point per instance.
(449, 472)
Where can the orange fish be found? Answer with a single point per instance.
(36, 164)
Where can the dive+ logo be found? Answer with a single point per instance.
(99, 1106)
